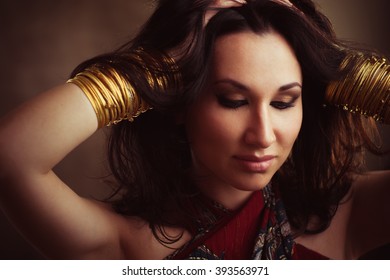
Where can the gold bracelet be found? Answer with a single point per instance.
(113, 97)
(365, 89)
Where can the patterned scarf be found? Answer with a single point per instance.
(272, 235)
(274, 240)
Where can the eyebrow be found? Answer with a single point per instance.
(289, 86)
(243, 87)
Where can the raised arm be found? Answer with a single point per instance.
(37, 136)
(33, 139)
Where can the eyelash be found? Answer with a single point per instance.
(235, 104)
(282, 105)
(231, 104)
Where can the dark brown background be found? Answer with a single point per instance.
(42, 41)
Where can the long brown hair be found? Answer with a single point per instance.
(150, 157)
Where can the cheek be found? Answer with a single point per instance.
(211, 129)
(288, 129)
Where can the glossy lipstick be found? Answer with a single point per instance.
(254, 163)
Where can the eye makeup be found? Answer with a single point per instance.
(230, 103)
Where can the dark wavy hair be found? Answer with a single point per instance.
(150, 159)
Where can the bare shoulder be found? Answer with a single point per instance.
(373, 180)
(369, 223)
(138, 241)
(361, 222)
(333, 242)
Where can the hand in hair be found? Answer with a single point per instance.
(208, 12)
(221, 4)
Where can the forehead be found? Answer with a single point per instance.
(252, 56)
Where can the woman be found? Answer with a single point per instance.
(217, 135)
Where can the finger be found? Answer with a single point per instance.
(284, 2)
(227, 3)
(221, 4)
(240, 2)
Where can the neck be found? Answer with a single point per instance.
(230, 197)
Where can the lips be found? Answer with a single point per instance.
(251, 163)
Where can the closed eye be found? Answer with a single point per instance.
(231, 103)
(282, 105)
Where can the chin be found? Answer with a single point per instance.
(253, 181)
(253, 186)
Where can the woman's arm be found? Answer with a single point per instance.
(33, 139)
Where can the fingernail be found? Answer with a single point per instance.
(240, 1)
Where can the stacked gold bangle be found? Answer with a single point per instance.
(112, 96)
(365, 89)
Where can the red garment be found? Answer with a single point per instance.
(259, 230)
(300, 252)
(235, 240)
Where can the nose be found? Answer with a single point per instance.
(260, 131)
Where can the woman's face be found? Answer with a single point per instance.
(244, 123)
